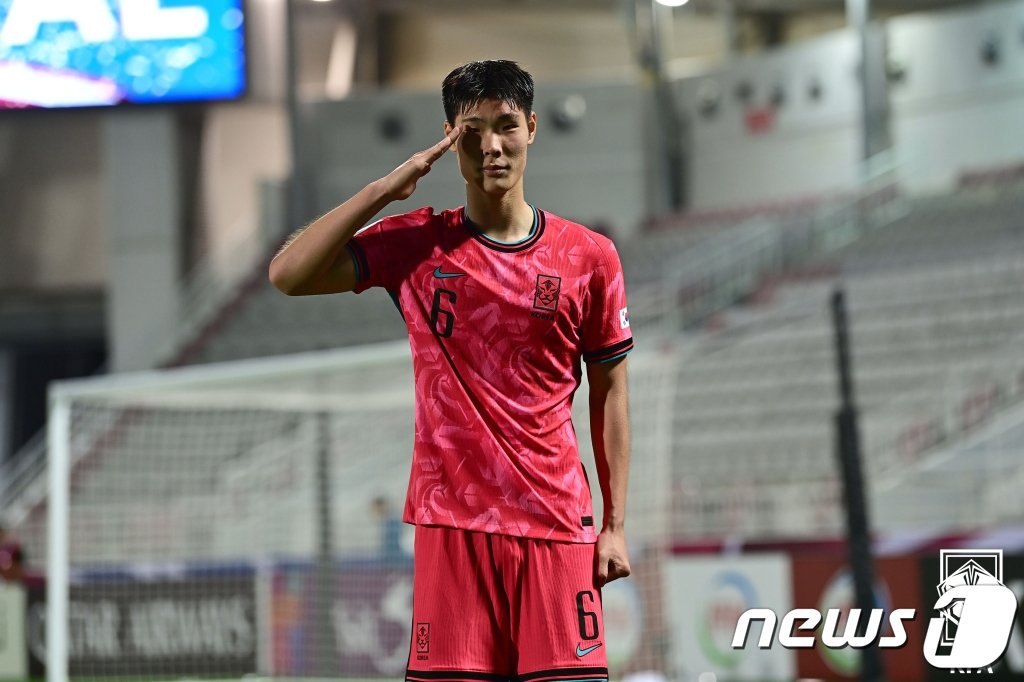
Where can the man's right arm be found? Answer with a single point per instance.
(314, 260)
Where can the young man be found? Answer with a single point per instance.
(501, 301)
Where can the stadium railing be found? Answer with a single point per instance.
(908, 412)
(215, 283)
(731, 264)
(22, 480)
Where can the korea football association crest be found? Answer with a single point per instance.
(977, 611)
(546, 296)
(422, 641)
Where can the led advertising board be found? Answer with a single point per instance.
(88, 53)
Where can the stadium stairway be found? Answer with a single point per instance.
(936, 336)
(979, 221)
(976, 477)
(271, 323)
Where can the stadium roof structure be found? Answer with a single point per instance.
(757, 6)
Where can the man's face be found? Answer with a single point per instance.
(492, 147)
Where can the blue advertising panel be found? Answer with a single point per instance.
(87, 53)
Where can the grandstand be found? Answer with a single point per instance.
(734, 416)
(776, 353)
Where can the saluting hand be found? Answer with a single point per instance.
(401, 183)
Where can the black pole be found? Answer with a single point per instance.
(858, 528)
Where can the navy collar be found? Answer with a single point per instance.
(536, 230)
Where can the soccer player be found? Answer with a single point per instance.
(502, 300)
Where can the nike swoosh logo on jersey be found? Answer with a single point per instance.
(445, 275)
(583, 652)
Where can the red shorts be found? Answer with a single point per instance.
(496, 607)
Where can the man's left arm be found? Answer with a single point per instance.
(609, 428)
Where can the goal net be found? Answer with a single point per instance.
(242, 519)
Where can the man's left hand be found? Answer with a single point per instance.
(612, 557)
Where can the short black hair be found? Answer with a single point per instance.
(499, 79)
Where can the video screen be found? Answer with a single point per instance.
(88, 53)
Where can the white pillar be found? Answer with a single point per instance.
(58, 429)
(143, 234)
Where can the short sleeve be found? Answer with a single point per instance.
(606, 332)
(387, 251)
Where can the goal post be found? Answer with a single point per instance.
(242, 518)
(59, 472)
(161, 481)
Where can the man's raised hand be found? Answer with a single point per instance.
(401, 183)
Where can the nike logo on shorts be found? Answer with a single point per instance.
(445, 275)
(583, 652)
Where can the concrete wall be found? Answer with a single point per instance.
(807, 147)
(953, 112)
(555, 44)
(950, 113)
(243, 146)
(52, 216)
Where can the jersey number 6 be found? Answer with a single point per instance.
(588, 619)
(439, 314)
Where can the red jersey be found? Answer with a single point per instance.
(497, 332)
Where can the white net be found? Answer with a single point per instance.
(243, 518)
